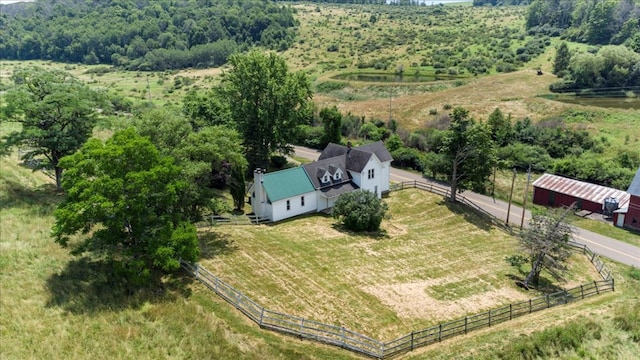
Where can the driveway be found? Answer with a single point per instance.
(602, 245)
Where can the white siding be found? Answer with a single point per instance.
(322, 202)
(385, 177)
(371, 184)
(279, 208)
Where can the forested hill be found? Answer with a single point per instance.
(596, 22)
(500, 2)
(142, 34)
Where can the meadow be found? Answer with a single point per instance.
(433, 261)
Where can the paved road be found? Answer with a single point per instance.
(602, 245)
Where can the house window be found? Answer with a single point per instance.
(288, 204)
(370, 174)
(301, 200)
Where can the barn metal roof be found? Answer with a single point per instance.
(581, 190)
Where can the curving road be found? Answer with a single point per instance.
(602, 245)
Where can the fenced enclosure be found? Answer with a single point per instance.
(365, 345)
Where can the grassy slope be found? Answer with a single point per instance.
(57, 306)
(434, 263)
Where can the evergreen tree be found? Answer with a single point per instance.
(562, 60)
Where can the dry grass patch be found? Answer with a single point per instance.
(433, 262)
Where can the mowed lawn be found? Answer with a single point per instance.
(433, 262)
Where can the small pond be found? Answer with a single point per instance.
(394, 78)
(605, 102)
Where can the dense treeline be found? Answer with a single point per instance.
(596, 22)
(143, 34)
(550, 145)
(613, 70)
(500, 2)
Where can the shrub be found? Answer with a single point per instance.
(360, 210)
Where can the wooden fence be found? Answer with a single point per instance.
(362, 344)
(288, 324)
(350, 340)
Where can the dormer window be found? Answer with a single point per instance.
(325, 178)
(337, 175)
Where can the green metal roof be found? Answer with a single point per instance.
(287, 183)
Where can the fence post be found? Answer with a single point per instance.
(342, 335)
(261, 316)
(412, 341)
(582, 291)
(302, 325)
(510, 311)
(613, 287)
(440, 332)
(595, 283)
(593, 256)
(530, 306)
(466, 319)
(489, 317)
(216, 283)
(197, 271)
(548, 303)
(584, 248)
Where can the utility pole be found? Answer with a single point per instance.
(526, 195)
(493, 186)
(389, 104)
(513, 181)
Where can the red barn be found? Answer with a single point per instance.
(629, 216)
(553, 190)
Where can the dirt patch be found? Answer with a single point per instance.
(410, 300)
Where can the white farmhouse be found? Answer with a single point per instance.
(315, 186)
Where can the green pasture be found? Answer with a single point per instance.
(430, 254)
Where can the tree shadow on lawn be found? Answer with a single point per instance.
(377, 235)
(43, 199)
(472, 216)
(89, 286)
(544, 286)
(213, 244)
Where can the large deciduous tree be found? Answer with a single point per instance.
(546, 244)
(123, 196)
(267, 103)
(469, 152)
(332, 124)
(57, 114)
(210, 156)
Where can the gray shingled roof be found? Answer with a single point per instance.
(359, 156)
(634, 188)
(337, 190)
(317, 168)
(377, 148)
